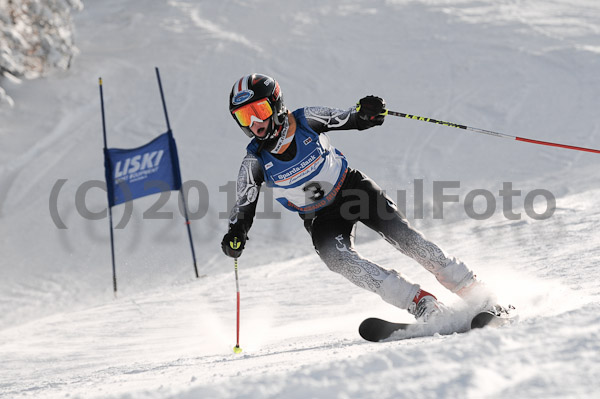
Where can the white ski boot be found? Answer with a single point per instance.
(425, 307)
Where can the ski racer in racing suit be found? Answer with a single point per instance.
(291, 153)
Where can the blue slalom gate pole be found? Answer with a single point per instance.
(110, 218)
(187, 220)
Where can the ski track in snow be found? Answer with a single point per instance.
(521, 68)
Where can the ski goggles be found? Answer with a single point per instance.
(258, 111)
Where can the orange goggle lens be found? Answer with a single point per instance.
(260, 109)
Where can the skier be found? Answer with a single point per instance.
(291, 153)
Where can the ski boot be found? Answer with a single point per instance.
(425, 307)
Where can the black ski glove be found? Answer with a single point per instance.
(233, 244)
(371, 111)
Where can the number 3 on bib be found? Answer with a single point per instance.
(314, 191)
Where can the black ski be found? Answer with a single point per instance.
(496, 317)
(376, 330)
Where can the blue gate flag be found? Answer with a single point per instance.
(137, 172)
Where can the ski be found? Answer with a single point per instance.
(495, 317)
(376, 330)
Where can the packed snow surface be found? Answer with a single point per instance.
(527, 69)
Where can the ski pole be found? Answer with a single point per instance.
(235, 245)
(488, 132)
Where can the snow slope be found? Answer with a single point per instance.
(522, 68)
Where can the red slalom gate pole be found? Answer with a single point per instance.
(489, 132)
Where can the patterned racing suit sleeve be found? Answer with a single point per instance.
(249, 180)
(324, 119)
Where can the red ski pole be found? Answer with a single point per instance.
(489, 132)
(236, 349)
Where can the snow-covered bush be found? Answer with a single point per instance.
(35, 36)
